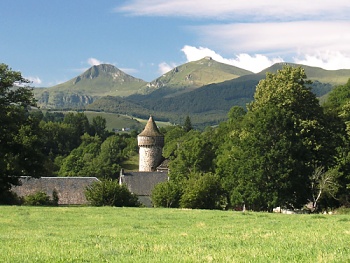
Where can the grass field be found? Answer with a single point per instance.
(106, 234)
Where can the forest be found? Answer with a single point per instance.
(283, 149)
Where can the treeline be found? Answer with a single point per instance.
(284, 150)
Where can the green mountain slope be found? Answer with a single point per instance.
(333, 77)
(97, 81)
(191, 76)
(209, 104)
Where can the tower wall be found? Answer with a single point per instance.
(150, 142)
(149, 158)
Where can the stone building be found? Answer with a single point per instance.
(150, 142)
(70, 190)
(152, 167)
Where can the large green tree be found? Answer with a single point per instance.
(20, 138)
(284, 136)
(194, 153)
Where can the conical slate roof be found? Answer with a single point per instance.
(151, 129)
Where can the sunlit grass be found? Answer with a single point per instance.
(105, 234)
(132, 163)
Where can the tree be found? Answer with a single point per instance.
(284, 135)
(339, 96)
(98, 127)
(188, 124)
(202, 191)
(20, 137)
(193, 154)
(172, 138)
(81, 125)
(81, 160)
(108, 192)
(323, 183)
(166, 194)
(57, 138)
(110, 157)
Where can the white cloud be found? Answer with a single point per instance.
(277, 37)
(255, 63)
(260, 33)
(165, 67)
(236, 9)
(34, 80)
(328, 60)
(94, 62)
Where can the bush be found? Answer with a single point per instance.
(203, 191)
(166, 194)
(108, 192)
(342, 211)
(41, 199)
(10, 198)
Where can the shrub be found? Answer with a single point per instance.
(10, 198)
(41, 199)
(166, 194)
(342, 211)
(108, 192)
(203, 191)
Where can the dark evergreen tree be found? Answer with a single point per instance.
(187, 125)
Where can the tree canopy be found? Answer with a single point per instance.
(283, 138)
(20, 136)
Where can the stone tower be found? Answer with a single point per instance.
(150, 142)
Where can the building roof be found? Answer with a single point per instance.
(142, 183)
(151, 129)
(70, 190)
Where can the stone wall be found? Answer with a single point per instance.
(70, 190)
(149, 158)
(150, 141)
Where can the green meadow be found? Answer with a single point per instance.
(109, 234)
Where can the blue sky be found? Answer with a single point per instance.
(53, 41)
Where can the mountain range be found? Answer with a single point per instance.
(204, 89)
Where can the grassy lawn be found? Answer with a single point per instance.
(105, 234)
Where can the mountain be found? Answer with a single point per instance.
(204, 89)
(209, 104)
(333, 77)
(96, 82)
(190, 76)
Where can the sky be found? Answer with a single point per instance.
(50, 42)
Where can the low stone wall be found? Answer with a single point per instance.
(70, 190)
